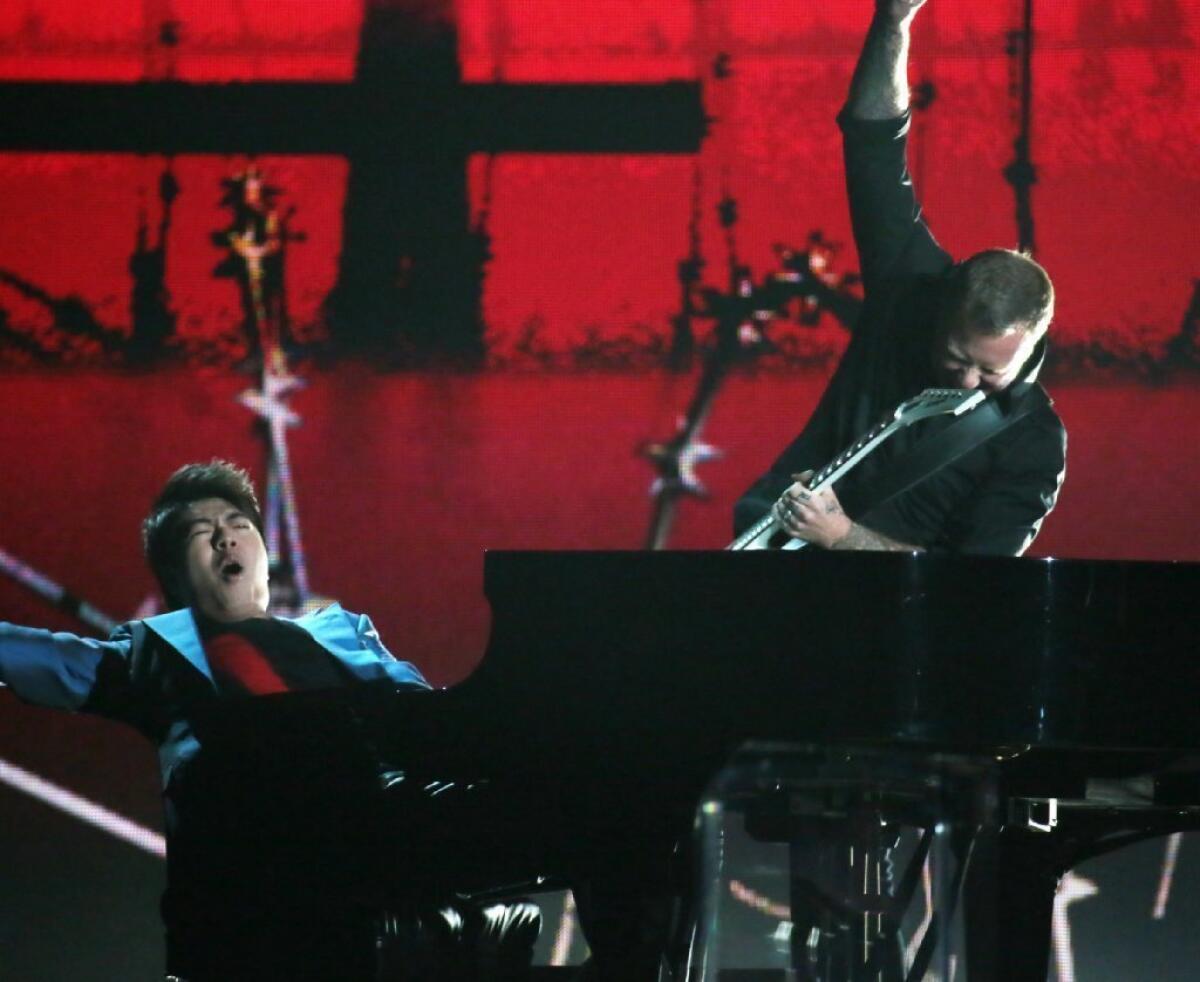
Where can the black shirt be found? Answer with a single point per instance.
(992, 500)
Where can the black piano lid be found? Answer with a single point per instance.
(967, 652)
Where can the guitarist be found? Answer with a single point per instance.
(927, 321)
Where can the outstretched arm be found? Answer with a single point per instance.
(879, 88)
(59, 670)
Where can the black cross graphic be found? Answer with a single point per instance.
(407, 124)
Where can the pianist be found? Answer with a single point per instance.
(267, 877)
(927, 322)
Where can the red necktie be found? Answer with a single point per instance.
(232, 656)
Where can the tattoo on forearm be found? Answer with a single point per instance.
(863, 539)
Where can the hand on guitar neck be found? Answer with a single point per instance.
(817, 518)
(814, 516)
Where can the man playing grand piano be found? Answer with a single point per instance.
(271, 872)
(927, 322)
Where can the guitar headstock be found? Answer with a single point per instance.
(938, 402)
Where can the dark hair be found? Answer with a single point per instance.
(997, 290)
(162, 529)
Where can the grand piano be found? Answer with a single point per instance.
(639, 658)
(624, 682)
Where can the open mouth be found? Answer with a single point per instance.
(231, 569)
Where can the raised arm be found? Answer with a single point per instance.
(879, 89)
(892, 239)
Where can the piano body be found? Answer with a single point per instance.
(647, 669)
(622, 682)
(634, 676)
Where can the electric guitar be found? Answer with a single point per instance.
(766, 532)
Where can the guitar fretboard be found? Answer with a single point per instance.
(931, 402)
(824, 476)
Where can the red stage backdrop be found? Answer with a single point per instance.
(406, 474)
(585, 247)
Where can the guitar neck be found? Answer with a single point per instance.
(853, 454)
(761, 531)
(931, 402)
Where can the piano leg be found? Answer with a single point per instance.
(626, 926)
(1012, 877)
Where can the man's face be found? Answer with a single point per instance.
(968, 359)
(226, 561)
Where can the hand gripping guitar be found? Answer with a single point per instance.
(767, 531)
